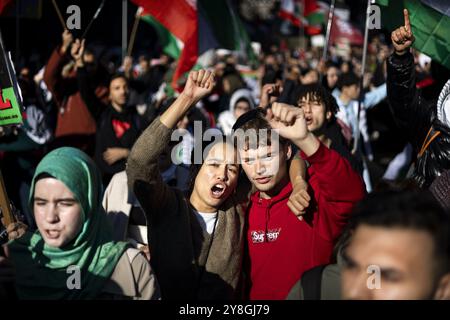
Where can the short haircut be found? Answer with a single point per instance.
(117, 76)
(318, 94)
(89, 51)
(414, 210)
(271, 76)
(347, 80)
(254, 120)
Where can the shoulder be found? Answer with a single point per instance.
(119, 179)
(225, 116)
(133, 277)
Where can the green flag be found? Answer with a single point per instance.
(171, 46)
(430, 26)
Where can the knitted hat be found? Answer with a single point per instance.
(440, 188)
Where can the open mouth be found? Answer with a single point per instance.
(52, 234)
(309, 120)
(218, 190)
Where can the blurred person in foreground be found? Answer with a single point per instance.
(404, 237)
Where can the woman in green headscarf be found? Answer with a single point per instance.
(72, 254)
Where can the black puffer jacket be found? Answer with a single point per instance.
(415, 116)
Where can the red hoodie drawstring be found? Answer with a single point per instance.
(267, 222)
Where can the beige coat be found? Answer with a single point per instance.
(132, 279)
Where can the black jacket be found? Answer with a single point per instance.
(105, 136)
(417, 117)
(411, 112)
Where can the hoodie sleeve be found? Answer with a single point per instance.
(55, 83)
(337, 188)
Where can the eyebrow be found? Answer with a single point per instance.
(57, 200)
(309, 101)
(214, 160)
(220, 160)
(347, 260)
(390, 272)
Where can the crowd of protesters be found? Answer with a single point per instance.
(304, 212)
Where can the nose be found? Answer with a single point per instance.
(222, 173)
(51, 214)
(306, 108)
(259, 167)
(356, 287)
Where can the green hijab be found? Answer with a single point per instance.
(42, 271)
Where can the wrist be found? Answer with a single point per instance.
(308, 144)
(401, 52)
(63, 49)
(189, 99)
(299, 181)
(79, 63)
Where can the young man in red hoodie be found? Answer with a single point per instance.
(282, 246)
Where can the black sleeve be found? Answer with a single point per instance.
(411, 112)
(93, 103)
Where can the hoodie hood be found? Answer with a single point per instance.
(241, 94)
(443, 104)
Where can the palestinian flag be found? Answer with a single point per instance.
(430, 22)
(289, 11)
(313, 13)
(312, 18)
(171, 45)
(188, 28)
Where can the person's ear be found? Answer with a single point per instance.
(443, 289)
(288, 152)
(328, 115)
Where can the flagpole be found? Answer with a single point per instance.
(5, 204)
(327, 35)
(124, 27)
(134, 30)
(93, 19)
(17, 55)
(302, 26)
(58, 12)
(361, 81)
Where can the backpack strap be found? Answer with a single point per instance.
(312, 283)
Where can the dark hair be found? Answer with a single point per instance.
(43, 175)
(117, 76)
(347, 80)
(304, 71)
(255, 120)
(89, 51)
(271, 75)
(317, 93)
(415, 210)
